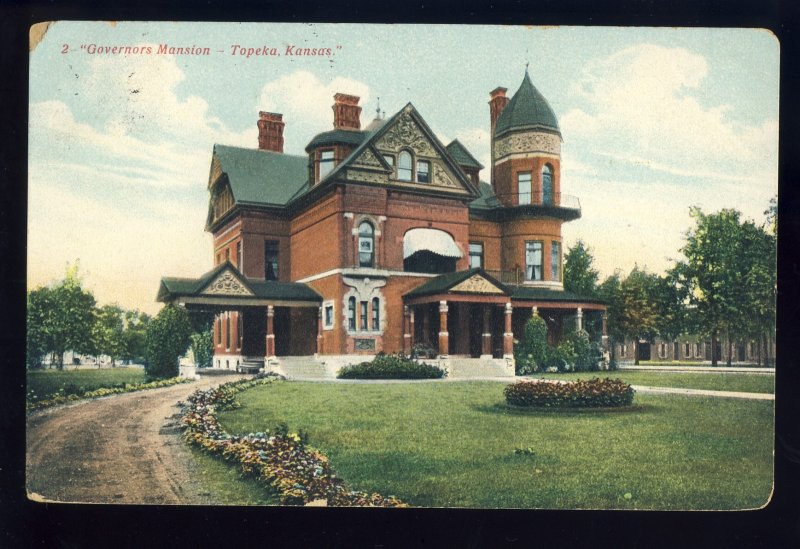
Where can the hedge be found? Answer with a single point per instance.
(299, 473)
(574, 394)
(62, 398)
(391, 367)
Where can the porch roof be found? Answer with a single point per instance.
(529, 293)
(225, 284)
(451, 282)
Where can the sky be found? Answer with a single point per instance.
(654, 121)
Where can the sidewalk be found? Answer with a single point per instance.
(701, 392)
(703, 369)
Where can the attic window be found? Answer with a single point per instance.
(326, 162)
(423, 171)
(405, 166)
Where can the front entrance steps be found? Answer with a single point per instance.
(476, 368)
(301, 367)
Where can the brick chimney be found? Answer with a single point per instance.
(270, 131)
(346, 112)
(497, 102)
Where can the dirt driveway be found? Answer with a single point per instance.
(121, 449)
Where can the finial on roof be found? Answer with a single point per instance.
(526, 66)
(378, 110)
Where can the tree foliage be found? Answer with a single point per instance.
(134, 335)
(531, 351)
(638, 311)
(108, 332)
(166, 340)
(580, 276)
(60, 318)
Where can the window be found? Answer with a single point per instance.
(227, 254)
(662, 350)
(547, 184)
(475, 255)
(366, 245)
(239, 255)
(327, 315)
(227, 331)
(423, 171)
(686, 351)
(524, 187)
(218, 330)
(271, 260)
(698, 351)
(325, 164)
(389, 160)
(555, 261)
(376, 314)
(405, 166)
(533, 260)
(239, 329)
(622, 350)
(363, 324)
(351, 313)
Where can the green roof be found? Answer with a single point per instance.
(343, 137)
(528, 109)
(172, 288)
(462, 156)
(543, 294)
(443, 283)
(487, 200)
(262, 177)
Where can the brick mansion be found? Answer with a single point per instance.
(381, 238)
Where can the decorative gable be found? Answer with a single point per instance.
(405, 133)
(227, 283)
(477, 284)
(368, 159)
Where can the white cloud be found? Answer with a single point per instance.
(305, 102)
(651, 99)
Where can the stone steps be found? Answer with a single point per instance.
(303, 368)
(461, 368)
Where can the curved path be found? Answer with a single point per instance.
(121, 449)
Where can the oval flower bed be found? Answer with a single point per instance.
(62, 398)
(593, 393)
(391, 367)
(300, 474)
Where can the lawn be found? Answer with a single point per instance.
(728, 381)
(452, 445)
(226, 483)
(47, 382)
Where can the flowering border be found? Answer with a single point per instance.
(592, 393)
(60, 398)
(301, 475)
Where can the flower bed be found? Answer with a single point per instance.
(574, 394)
(391, 367)
(279, 458)
(63, 398)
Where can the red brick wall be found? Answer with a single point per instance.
(490, 234)
(515, 233)
(506, 178)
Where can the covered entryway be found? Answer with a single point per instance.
(254, 320)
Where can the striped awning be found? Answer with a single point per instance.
(433, 240)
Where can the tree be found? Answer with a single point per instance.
(134, 335)
(167, 339)
(580, 276)
(203, 348)
(672, 317)
(60, 318)
(108, 332)
(609, 291)
(729, 277)
(531, 353)
(638, 310)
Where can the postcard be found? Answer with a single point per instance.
(402, 265)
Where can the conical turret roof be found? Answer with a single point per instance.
(528, 109)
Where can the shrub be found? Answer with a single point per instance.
(203, 348)
(166, 341)
(576, 394)
(532, 352)
(390, 367)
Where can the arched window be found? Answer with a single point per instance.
(405, 166)
(547, 184)
(351, 313)
(376, 314)
(366, 244)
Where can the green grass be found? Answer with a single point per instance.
(741, 382)
(452, 445)
(227, 485)
(47, 382)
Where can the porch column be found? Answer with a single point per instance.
(534, 310)
(508, 335)
(407, 330)
(579, 319)
(319, 331)
(486, 336)
(270, 331)
(444, 337)
(605, 331)
(411, 329)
